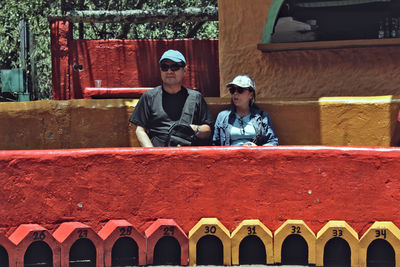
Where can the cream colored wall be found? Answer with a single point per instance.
(355, 121)
(55, 124)
(241, 24)
(308, 73)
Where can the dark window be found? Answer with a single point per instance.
(167, 251)
(338, 20)
(38, 254)
(380, 254)
(252, 251)
(3, 257)
(294, 250)
(337, 253)
(209, 251)
(82, 254)
(125, 252)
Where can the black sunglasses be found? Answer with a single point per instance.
(173, 67)
(240, 90)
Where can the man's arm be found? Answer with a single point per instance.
(203, 132)
(205, 121)
(142, 137)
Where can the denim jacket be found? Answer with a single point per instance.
(224, 122)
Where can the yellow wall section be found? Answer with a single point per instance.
(355, 117)
(297, 227)
(252, 227)
(308, 73)
(66, 124)
(203, 228)
(351, 121)
(338, 229)
(391, 235)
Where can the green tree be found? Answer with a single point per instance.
(36, 12)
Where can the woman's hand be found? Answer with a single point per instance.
(249, 144)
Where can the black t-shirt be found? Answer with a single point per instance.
(172, 104)
(157, 110)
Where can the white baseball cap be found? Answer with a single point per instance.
(244, 81)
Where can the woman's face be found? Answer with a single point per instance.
(241, 97)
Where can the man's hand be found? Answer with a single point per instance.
(204, 130)
(249, 144)
(142, 137)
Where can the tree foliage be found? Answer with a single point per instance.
(36, 12)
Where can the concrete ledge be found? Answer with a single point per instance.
(311, 183)
(95, 92)
(91, 123)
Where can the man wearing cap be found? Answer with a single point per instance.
(161, 109)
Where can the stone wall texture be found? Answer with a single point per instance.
(309, 73)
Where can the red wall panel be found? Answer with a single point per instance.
(126, 63)
(315, 184)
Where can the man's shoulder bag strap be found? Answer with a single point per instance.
(181, 134)
(188, 109)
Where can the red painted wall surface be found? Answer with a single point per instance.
(126, 63)
(92, 186)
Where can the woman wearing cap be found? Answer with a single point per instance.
(244, 124)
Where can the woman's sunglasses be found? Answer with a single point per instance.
(173, 67)
(240, 90)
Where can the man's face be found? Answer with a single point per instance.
(172, 76)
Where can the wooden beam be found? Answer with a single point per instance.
(141, 16)
(276, 47)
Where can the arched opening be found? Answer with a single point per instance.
(380, 254)
(209, 251)
(38, 254)
(4, 261)
(252, 251)
(337, 253)
(82, 254)
(167, 251)
(125, 252)
(294, 250)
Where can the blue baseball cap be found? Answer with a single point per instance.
(173, 55)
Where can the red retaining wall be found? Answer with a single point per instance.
(76, 64)
(315, 184)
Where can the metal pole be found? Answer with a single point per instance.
(24, 44)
